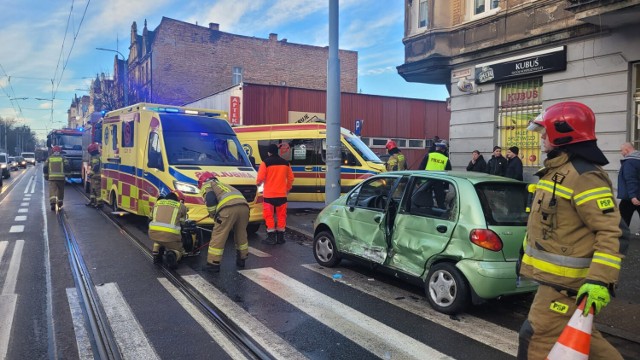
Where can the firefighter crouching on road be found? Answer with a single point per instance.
(164, 229)
(396, 159)
(230, 212)
(573, 242)
(276, 176)
(54, 171)
(94, 175)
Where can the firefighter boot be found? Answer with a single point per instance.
(157, 256)
(239, 261)
(271, 238)
(213, 267)
(280, 237)
(171, 259)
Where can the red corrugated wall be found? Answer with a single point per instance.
(383, 116)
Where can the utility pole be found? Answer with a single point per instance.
(334, 154)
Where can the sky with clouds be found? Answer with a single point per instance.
(49, 47)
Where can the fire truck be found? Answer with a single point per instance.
(70, 140)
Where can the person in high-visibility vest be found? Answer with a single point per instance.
(276, 176)
(575, 241)
(164, 229)
(95, 199)
(230, 211)
(396, 159)
(54, 170)
(437, 161)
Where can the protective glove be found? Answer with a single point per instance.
(597, 296)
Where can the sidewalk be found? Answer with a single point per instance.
(621, 318)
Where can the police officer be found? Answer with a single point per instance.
(54, 171)
(396, 159)
(436, 160)
(573, 247)
(230, 212)
(94, 175)
(164, 229)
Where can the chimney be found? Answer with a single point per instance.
(214, 26)
(273, 37)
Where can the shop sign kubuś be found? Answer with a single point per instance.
(531, 64)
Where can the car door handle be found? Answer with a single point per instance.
(377, 218)
(441, 228)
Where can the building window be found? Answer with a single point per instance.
(423, 14)
(636, 105)
(237, 75)
(520, 102)
(483, 7)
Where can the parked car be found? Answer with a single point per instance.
(29, 157)
(13, 164)
(458, 234)
(4, 165)
(21, 162)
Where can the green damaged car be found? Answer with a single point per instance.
(458, 234)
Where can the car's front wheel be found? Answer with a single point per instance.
(446, 289)
(325, 250)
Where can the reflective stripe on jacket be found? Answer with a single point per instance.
(166, 218)
(396, 162)
(226, 195)
(573, 232)
(55, 167)
(436, 161)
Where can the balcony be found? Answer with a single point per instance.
(606, 13)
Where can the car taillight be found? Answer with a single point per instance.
(486, 239)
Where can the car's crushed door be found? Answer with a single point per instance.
(363, 226)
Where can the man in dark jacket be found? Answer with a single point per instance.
(497, 165)
(514, 164)
(629, 182)
(477, 162)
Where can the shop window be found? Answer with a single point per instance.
(519, 103)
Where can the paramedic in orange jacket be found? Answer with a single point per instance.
(276, 176)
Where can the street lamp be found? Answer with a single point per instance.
(126, 78)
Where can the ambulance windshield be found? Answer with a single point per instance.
(360, 147)
(201, 141)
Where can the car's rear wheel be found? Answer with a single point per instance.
(446, 289)
(325, 250)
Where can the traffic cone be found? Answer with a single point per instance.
(575, 340)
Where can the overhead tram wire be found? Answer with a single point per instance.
(14, 93)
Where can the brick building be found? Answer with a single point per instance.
(503, 61)
(180, 62)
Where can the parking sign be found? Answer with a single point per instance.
(358, 130)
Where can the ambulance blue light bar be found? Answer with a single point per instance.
(183, 111)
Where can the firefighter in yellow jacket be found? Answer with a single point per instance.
(54, 171)
(94, 175)
(396, 159)
(230, 212)
(573, 243)
(164, 229)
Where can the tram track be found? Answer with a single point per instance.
(249, 346)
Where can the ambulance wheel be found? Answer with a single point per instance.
(113, 201)
(446, 289)
(253, 228)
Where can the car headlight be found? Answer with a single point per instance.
(186, 188)
(4, 166)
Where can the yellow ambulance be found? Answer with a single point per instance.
(304, 145)
(149, 150)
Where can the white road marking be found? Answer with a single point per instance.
(23, 210)
(20, 218)
(51, 327)
(11, 278)
(213, 330)
(479, 330)
(85, 352)
(33, 186)
(269, 340)
(8, 298)
(16, 229)
(258, 253)
(132, 342)
(26, 188)
(24, 204)
(378, 338)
